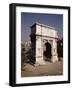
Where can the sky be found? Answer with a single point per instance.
(28, 19)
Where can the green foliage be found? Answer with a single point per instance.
(60, 48)
(25, 55)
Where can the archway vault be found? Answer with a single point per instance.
(47, 51)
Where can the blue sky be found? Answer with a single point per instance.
(28, 19)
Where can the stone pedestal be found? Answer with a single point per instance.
(54, 59)
(40, 61)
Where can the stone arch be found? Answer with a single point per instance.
(43, 35)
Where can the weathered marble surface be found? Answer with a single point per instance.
(42, 34)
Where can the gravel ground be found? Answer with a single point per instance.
(49, 69)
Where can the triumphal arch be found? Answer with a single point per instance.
(43, 44)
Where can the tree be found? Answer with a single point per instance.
(25, 55)
(60, 47)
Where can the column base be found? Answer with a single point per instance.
(39, 61)
(54, 58)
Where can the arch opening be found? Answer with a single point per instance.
(47, 52)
